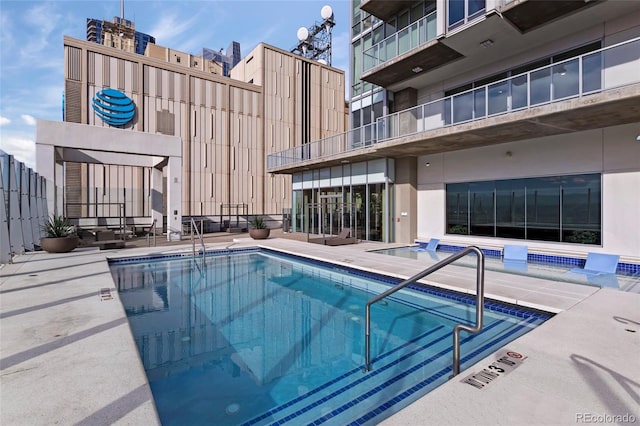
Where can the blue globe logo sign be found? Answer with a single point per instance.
(113, 107)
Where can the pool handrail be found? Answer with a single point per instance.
(194, 227)
(456, 330)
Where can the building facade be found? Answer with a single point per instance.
(120, 33)
(228, 59)
(485, 122)
(226, 126)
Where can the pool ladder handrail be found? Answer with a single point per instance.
(152, 228)
(194, 227)
(456, 330)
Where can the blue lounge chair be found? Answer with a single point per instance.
(598, 264)
(515, 257)
(431, 246)
(514, 253)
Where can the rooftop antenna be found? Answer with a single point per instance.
(121, 10)
(315, 42)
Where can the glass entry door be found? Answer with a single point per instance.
(331, 214)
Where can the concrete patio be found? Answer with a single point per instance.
(68, 356)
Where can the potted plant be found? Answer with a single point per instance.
(60, 235)
(258, 229)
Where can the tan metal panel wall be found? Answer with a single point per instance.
(73, 70)
(226, 139)
(73, 101)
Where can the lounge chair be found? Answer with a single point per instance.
(514, 257)
(341, 239)
(598, 264)
(431, 246)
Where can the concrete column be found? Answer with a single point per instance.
(404, 99)
(406, 202)
(174, 199)
(156, 197)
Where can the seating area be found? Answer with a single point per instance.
(104, 239)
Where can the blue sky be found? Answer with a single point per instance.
(31, 50)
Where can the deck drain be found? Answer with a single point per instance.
(232, 409)
(629, 330)
(105, 294)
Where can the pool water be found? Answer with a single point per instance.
(550, 271)
(255, 337)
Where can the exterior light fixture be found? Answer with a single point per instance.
(488, 42)
(416, 69)
(638, 138)
(427, 164)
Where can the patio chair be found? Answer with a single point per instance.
(598, 264)
(514, 257)
(431, 246)
(341, 239)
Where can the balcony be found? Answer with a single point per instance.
(411, 50)
(529, 14)
(384, 9)
(590, 91)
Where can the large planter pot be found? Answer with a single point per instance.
(59, 244)
(259, 234)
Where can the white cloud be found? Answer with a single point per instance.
(4, 121)
(171, 26)
(42, 19)
(21, 147)
(28, 119)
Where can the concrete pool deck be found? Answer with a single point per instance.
(67, 355)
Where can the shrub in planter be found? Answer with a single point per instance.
(60, 235)
(258, 229)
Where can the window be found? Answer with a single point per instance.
(558, 208)
(461, 11)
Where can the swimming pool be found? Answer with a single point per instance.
(257, 337)
(545, 268)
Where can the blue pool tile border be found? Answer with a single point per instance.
(545, 259)
(493, 305)
(185, 255)
(490, 304)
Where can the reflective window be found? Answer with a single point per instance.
(543, 209)
(558, 208)
(510, 209)
(460, 11)
(458, 208)
(456, 11)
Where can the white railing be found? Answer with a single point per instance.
(593, 72)
(413, 35)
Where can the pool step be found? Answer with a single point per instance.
(317, 402)
(493, 338)
(406, 376)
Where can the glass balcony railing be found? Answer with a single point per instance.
(593, 72)
(410, 37)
